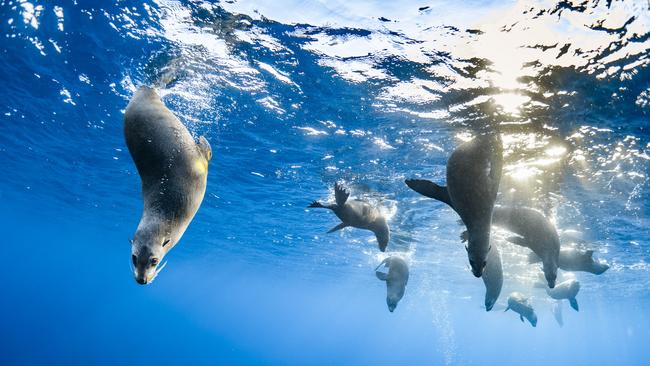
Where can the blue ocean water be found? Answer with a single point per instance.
(293, 97)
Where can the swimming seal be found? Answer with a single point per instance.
(473, 176)
(567, 290)
(396, 280)
(572, 259)
(536, 232)
(173, 168)
(357, 214)
(520, 304)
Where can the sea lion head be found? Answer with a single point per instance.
(550, 271)
(148, 249)
(477, 252)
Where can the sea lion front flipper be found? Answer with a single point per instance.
(574, 304)
(429, 189)
(381, 275)
(205, 148)
(338, 227)
(521, 317)
(533, 258)
(341, 194)
(518, 240)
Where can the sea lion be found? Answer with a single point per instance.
(565, 290)
(173, 168)
(572, 259)
(473, 176)
(521, 304)
(396, 280)
(537, 233)
(492, 277)
(357, 214)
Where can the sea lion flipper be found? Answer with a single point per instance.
(429, 189)
(590, 253)
(517, 240)
(574, 304)
(338, 227)
(341, 194)
(533, 258)
(464, 236)
(521, 317)
(205, 148)
(381, 275)
(507, 308)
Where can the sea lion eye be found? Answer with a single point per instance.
(154, 262)
(165, 243)
(134, 259)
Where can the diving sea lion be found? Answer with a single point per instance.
(357, 214)
(396, 280)
(473, 176)
(173, 169)
(537, 233)
(565, 290)
(572, 259)
(492, 277)
(521, 304)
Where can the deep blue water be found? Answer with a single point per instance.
(294, 96)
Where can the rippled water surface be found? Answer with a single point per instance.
(293, 97)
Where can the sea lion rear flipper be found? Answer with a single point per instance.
(205, 148)
(341, 194)
(517, 240)
(574, 304)
(338, 227)
(430, 189)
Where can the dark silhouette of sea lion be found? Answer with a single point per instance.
(473, 176)
(572, 259)
(521, 305)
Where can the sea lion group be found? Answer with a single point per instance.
(173, 168)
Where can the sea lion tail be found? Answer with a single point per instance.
(430, 189)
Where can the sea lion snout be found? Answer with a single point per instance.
(477, 270)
